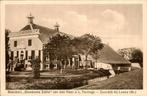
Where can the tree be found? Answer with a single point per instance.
(132, 54)
(137, 56)
(121, 52)
(126, 52)
(7, 48)
(36, 67)
(87, 44)
(59, 47)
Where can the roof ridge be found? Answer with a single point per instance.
(111, 56)
(44, 27)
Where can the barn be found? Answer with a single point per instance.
(109, 59)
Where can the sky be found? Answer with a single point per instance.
(119, 25)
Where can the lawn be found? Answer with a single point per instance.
(52, 79)
(128, 80)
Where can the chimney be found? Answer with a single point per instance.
(30, 19)
(57, 27)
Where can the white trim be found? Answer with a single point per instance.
(22, 37)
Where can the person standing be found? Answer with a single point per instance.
(118, 70)
(14, 65)
(10, 65)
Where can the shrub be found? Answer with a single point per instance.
(36, 67)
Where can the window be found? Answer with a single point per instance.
(17, 53)
(26, 54)
(12, 54)
(39, 54)
(29, 42)
(15, 43)
(30, 58)
(21, 52)
(33, 54)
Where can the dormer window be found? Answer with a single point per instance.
(29, 42)
(15, 43)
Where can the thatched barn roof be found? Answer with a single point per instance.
(108, 55)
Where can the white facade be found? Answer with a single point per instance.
(26, 45)
(137, 65)
(103, 65)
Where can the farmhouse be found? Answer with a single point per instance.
(29, 42)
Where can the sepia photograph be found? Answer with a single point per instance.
(72, 48)
(83, 46)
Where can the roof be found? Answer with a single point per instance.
(45, 32)
(108, 55)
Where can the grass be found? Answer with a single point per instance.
(128, 80)
(67, 80)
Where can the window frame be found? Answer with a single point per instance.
(30, 42)
(15, 43)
